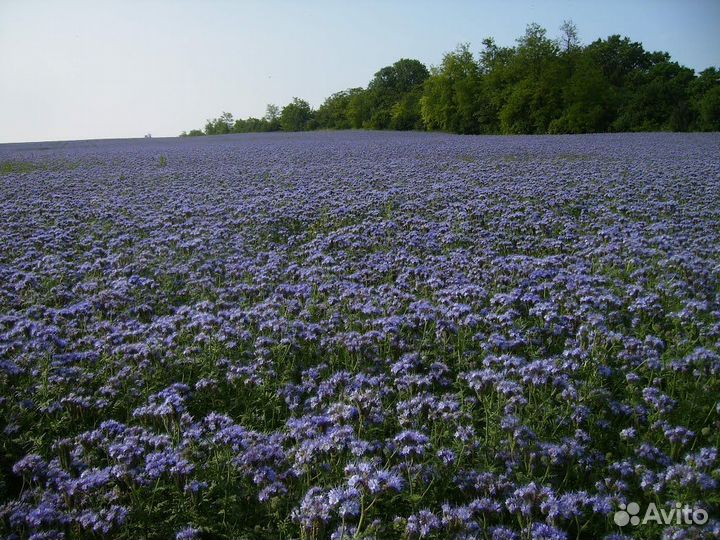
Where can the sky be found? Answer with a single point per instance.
(97, 69)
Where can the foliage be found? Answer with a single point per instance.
(394, 94)
(12, 167)
(296, 116)
(450, 98)
(333, 113)
(705, 100)
(541, 85)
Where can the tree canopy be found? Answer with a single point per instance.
(539, 85)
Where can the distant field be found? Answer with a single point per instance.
(360, 335)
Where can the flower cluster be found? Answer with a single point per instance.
(359, 335)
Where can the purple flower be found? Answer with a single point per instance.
(188, 533)
(411, 443)
(422, 524)
(542, 531)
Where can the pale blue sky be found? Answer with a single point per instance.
(95, 69)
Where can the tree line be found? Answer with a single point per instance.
(540, 85)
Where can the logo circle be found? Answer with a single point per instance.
(621, 518)
(699, 516)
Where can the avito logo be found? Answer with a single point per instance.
(679, 515)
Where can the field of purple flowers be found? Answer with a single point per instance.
(359, 335)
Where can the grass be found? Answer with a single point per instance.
(22, 167)
(16, 167)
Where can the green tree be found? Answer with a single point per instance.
(359, 109)
(569, 40)
(588, 100)
(452, 95)
(534, 51)
(536, 76)
(334, 112)
(709, 110)
(272, 117)
(221, 125)
(619, 58)
(705, 100)
(540, 85)
(496, 76)
(389, 87)
(296, 116)
(405, 114)
(251, 125)
(659, 99)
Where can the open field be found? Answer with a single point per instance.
(359, 335)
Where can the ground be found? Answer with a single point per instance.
(360, 334)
